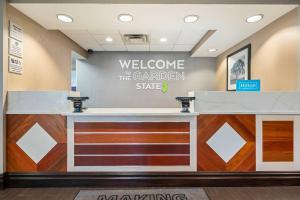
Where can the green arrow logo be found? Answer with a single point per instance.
(165, 87)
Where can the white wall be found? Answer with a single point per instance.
(51, 48)
(275, 52)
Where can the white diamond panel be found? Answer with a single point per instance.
(36, 143)
(226, 142)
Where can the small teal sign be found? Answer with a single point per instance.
(248, 86)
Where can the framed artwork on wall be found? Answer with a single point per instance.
(238, 67)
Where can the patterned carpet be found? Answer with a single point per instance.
(144, 194)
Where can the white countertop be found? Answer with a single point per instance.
(264, 103)
(149, 112)
(39, 102)
(131, 112)
(244, 112)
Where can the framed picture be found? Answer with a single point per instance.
(238, 67)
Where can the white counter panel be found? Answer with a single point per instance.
(246, 102)
(131, 112)
(38, 102)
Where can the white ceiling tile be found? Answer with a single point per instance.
(161, 47)
(86, 41)
(138, 47)
(178, 47)
(117, 40)
(103, 31)
(74, 31)
(94, 47)
(102, 19)
(82, 38)
(135, 31)
(171, 36)
(114, 47)
(190, 37)
(214, 42)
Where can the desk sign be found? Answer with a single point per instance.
(248, 86)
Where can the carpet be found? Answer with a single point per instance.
(143, 194)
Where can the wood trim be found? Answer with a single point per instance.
(132, 138)
(18, 125)
(17, 160)
(55, 160)
(209, 160)
(278, 141)
(169, 131)
(131, 127)
(131, 160)
(132, 149)
(121, 180)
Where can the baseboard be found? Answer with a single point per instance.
(14, 180)
(1, 181)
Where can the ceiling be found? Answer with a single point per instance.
(94, 22)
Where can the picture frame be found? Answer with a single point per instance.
(238, 67)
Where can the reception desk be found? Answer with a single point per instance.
(225, 135)
(133, 140)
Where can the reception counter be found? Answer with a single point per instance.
(231, 138)
(132, 140)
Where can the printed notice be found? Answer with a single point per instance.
(15, 65)
(15, 31)
(15, 48)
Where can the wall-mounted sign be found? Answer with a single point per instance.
(248, 85)
(15, 48)
(152, 74)
(15, 65)
(15, 31)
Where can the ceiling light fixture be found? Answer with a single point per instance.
(163, 39)
(64, 18)
(125, 17)
(108, 39)
(191, 18)
(255, 18)
(212, 50)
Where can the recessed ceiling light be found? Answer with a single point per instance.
(213, 50)
(64, 18)
(255, 18)
(108, 39)
(125, 17)
(191, 18)
(163, 39)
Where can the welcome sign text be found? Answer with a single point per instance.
(152, 74)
